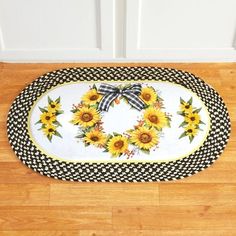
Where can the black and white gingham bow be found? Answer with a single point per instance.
(110, 93)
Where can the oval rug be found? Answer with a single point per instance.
(118, 124)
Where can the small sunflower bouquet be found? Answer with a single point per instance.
(48, 118)
(192, 119)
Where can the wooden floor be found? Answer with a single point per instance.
(202, 205)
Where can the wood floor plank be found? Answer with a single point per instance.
(23, 195)
(55, 218)
(157, 233)
(175, 218)
(121, 233)
(198, 194)
(105, 194)
(40, 233)
(17, 172)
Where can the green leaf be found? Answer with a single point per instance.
(57, 134)
(145, 151)
(181, 100)
(109, 136)
(58, 100)
(42, 109)
(49, 100)
(181, 113)
(116, 134)
(80, 136)
(57, 123)
(197, 110)
(182, 135)
(74, 110)
(183, 124)
(59, 112)
(49, 138)
(94, 86)
(190, 101)
(86, 144)
(38, 122)
(191, 138)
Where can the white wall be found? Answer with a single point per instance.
(114, 30)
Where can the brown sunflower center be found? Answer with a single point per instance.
(50, 130)
(190, 131)
(94, 97)
(47, 118)
(119, 144)
(192, 118)
(187, 106)
(145, 138)
(94, 138)
(153, 118)
(53, 106)
(146, 96)
(86, 117)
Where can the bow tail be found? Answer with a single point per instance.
(106, 101)
(134, 100)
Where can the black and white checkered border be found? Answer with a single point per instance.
(28, 153)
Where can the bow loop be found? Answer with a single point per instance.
(110, 93)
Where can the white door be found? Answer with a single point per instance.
(181, 30)
(56, 30)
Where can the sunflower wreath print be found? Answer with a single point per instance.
(144, 136)
(191, 119)
(48, 118)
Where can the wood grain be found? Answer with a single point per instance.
(106, 194)
(202, 205)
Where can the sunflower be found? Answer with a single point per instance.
(95, 137)
(191, 130)
(155, 118)
(47, 118)
(148, 95)
(186, 107)
(54, 107)
(117, 145)
(144, 138)
(192, 118)
(86, 117)
(49, 130)
(91, 97)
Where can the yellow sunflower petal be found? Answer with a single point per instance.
(86, 117)
(155, 118)
(49, 130)
(144, 138)
(95, 137)
(192, 118)
(148, 95)
(186, 107)
(47, 118)
(191, 130)
(117, 145)
(91, 97)
(54, 107)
